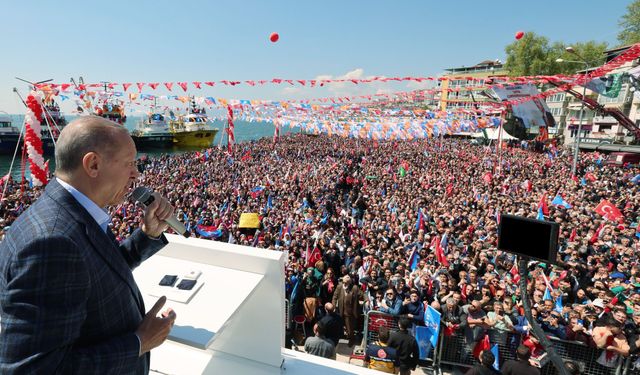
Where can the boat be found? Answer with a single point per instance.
(153, 133)
(9, 135)
(112, 111)
(52, 124)
(193, 129)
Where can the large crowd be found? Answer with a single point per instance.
(396, 226)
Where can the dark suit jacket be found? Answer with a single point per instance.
(512, 367)
(68, 300)
(407, 348)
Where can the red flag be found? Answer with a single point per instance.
(607, 210)
(543, 204)
(140, 86)
(440, 257)
(183, 85)
(482, 345)
(125, 86)
(573, 235)
(449, 190)
(154, 85)
(596, 234)
(590, 176)
(313, 257)
(168, 85)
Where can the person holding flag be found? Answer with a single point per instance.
(485, 367)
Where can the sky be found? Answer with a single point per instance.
(172, 41)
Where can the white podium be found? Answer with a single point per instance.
(234, 322)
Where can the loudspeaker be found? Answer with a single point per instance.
(530, 238)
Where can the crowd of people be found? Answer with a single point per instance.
(397, 226)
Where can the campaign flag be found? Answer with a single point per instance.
(558, 307)
(636, 179)
(547, 295)
(420, 220)
(427, 336)
(542, 204)
(208, 231)
(440, 257)
(596, 234)
(638, 231)
(496, 353)
(609, 211)
(313, 257)
(540, 214)
(573, 235)
(256, 191)
(414, 258)
(481, 346)
(559, 201)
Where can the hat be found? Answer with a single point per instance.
(598, 302)
(617, 275)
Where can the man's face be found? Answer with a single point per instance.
(118, 172)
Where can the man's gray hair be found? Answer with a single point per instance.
(84, 135)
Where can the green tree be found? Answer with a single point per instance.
(528, 56)
(591, 52)
(532, 55)
(630, 24)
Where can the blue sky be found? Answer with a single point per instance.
(159, 41)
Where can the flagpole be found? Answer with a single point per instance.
(535, 327)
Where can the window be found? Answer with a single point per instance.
(556, 98)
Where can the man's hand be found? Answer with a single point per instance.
(154, 330)
(155, 215)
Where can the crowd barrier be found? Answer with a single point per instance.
(454, 351)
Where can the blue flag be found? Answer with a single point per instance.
(496, 353)
(547, 295)
(559, 201)
(413, 259)
(559, 306)
(427, 336)
(636, 179)
(540, 214)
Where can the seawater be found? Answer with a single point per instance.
(244, 132)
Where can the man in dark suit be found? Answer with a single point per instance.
(68, 300)
(333, 323)
(406, 345)
(522, 365)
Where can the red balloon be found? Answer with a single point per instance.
(519, 35)
(274, 37)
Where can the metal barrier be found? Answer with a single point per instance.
(376, 319)
(287, 314)
(455, 351)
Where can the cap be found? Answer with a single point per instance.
(617, 275)
(598, 302)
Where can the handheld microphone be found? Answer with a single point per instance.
(143, 195)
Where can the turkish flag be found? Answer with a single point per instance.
(607, 210)
(482, 345)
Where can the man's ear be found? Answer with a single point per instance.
(91, 163)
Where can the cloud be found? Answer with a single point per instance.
(341, 89)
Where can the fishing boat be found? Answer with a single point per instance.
(193, 129)
(9, 135)
(153, 132)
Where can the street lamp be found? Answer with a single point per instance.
(576, 149)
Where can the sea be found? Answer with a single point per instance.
(244, 132)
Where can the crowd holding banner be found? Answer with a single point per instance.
(342, 207)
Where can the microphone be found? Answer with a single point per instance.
(143, 195)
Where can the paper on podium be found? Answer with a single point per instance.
(208, 308)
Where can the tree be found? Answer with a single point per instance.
(528, 56)
(630, 24)
(532, 55)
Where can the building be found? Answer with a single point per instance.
(596, 127)
(461, 87)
